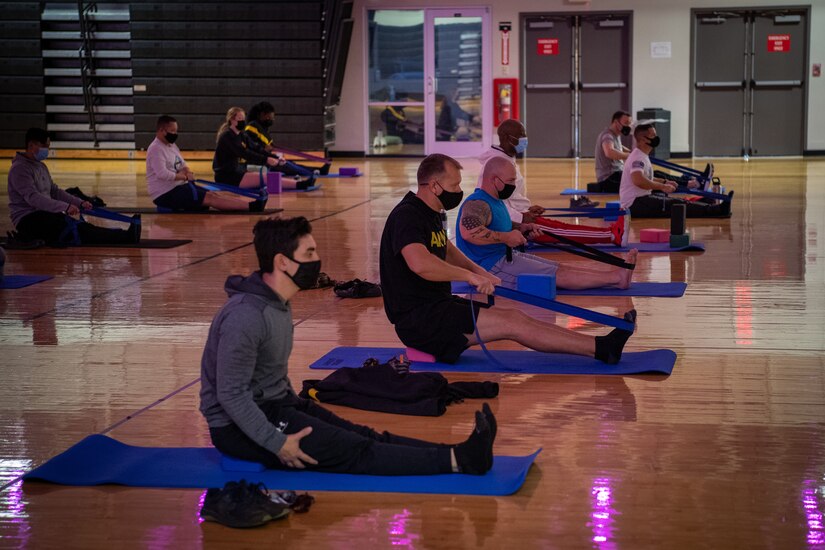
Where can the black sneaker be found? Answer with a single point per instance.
(357, 288)
(306, 183)
(258, 493)
(257, 206)
(234, 506)
(582, 202)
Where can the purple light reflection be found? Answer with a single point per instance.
(200, 505)
(813, 514)
(13, 502)
(601, 515)
(397, 530)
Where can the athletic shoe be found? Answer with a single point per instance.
(617, 229)
(357, 288)
(258, 493)
(257, 206)
(234, 506)
(582, 202)
(306, 183)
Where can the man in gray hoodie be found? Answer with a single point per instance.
(250, 406)
(39, 209)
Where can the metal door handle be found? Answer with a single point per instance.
(731, 84)
(547, 86)
(768, 83)
(603, 85)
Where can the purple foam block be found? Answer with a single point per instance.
(351, 172)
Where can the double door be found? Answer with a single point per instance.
(749, 82)
(576, 74)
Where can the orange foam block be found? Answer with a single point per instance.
(654, 235)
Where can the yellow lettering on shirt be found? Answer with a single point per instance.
(438, 239)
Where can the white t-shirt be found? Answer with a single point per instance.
(518, 201)
(637, 161)
(163, 161)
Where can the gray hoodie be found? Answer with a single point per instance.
(245, 360)
(31, 189)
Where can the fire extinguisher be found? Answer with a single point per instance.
(505, 101)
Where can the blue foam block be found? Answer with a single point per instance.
(659, 290)
(11, 282)
(641, 247)
(538, 285)
(99, 460)
(533, 362)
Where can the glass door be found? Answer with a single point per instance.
(457, 85)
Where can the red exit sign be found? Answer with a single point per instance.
(547, 46)
(779, 42)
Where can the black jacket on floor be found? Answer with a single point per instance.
(381, 388)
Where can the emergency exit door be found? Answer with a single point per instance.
(749, 82)
(576, 74)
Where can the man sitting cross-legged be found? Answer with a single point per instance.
(418, 262)
(248, 401)
(485, 231)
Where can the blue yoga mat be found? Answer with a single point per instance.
(533, 362)
(641, 247)
(307, 190)
(570, 191)
(358, 175)
(659, 290)
(99, 460)
(10, 282)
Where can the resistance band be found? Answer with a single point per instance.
(583, 250)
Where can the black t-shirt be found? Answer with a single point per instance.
(411, 221)
(231, 156)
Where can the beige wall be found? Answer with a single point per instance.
(656, 82)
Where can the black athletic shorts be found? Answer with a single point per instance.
(186, 196)
(439, 328)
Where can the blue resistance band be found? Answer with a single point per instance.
(490, 356)
(257, 194)
(70, 234)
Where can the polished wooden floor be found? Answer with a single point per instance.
(727, 452)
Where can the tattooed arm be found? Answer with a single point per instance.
(475, 217)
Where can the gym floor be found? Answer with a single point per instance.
(727, 452)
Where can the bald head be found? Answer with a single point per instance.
(497, 172)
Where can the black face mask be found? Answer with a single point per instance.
(450, 199)
(654, 141)
(171, 138)
(307, 275)
(507, 192)
(267, 122)
(625, 130)
(241, 125)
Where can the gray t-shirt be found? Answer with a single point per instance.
(605, 165)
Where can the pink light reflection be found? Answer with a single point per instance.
(743, 314)
(397, 530)
(813, 515)
(601, 515)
